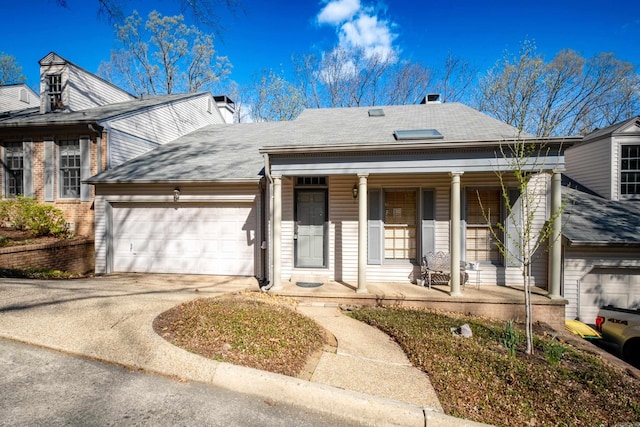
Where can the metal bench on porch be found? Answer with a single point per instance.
(435, 269)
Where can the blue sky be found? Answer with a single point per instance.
(267, 33)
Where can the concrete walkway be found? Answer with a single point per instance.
(368, 379)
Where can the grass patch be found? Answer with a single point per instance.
(477, 379)
(258, 334)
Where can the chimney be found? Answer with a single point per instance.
(432, 98)
(226, 106)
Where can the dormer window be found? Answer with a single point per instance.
(54, 91)
(630, 171)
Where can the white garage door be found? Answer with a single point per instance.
(603, 286)
(184, 238)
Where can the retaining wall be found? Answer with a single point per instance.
(74, 256)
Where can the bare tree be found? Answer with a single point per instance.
(204, 12)
(273, 98)
(164, 56)
(522, 234)
(353, 77)
(566, 96)
(10, 70)
(407, 83)
(455, 80)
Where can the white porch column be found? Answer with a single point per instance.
(362, 233)
(454, 234)
(277, 232)
(555, 239)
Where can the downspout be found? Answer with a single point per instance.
(265, 237)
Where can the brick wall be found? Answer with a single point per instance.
(78, 213)
(74, 256)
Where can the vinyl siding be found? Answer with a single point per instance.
(343, 220)
(592, 165)
(10, 99)
(169, 121)
(86, 90)
(124, 147)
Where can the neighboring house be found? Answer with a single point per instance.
(601, 245)
(84, 125)
(353, 195)
(17, 97)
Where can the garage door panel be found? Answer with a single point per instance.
(608, 286)
(195, 239)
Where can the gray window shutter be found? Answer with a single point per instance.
(375, 247)
(85, 169)
(49, 170)
(428, 222)
(28, 168)
(513, 227)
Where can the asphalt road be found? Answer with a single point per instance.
(44, 387)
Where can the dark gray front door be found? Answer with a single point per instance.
(311, 220)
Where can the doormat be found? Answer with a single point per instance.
(308, 284)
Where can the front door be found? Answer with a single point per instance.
(310, 229)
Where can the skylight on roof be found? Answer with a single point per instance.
(376, 112)
(417, 134)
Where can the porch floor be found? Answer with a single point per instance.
(499, 302)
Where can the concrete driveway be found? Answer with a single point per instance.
(110, 318)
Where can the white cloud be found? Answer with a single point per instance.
(338, 11)
(358, 26)
(368, 33)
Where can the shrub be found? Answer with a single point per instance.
(553, 351)
(25, 213)
(511, 338)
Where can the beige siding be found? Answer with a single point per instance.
(579, 262)
(287, 255)
(343, 229)
(592, 165)
(343, 219)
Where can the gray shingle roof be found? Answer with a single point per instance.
(213, 153)
(592, 220)
(32, 117)
(609, 130)
(456, 122)
(224, 152)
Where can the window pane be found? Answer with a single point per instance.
(483, 214)
(400, 225)
(14, 168)
(630, 170)
(69, 168)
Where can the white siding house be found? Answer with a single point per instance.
(601, 235)
(16, 97)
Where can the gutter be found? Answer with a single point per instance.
(418, 145)
(173, 181)
(602, 244)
